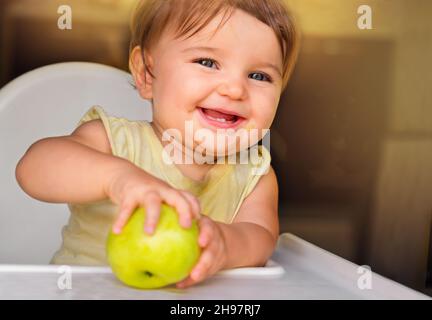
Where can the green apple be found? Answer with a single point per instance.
(153, 261)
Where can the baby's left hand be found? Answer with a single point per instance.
(213, 255)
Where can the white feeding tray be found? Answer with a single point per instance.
(297, 270)
(271, 270)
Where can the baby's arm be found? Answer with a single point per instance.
(81, 168)
(252, 237)
(249, 241)
(69, 169)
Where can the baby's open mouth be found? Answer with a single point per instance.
(220, 116)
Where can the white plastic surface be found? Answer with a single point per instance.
(271, 270)
(46, 102)
(310, 273)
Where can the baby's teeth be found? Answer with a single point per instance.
(217, 119)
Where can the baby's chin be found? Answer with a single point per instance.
(209, 144)
(223, 142)
(210, 151)
(220, 148)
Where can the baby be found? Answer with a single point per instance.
(215, 68)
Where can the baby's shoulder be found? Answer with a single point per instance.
(93, 135)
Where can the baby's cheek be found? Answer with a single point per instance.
(256, 131)
(250, 125)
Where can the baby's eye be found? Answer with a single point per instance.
(206, 62)
(260, 76)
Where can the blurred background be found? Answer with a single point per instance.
(352, 139)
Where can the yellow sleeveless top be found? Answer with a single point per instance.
(220, 193)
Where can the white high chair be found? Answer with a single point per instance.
(45, 102)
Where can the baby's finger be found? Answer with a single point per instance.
(194, 203)
(177, 200)
(185, 283)
(206, 232)
(152, 204)
(201, 269)
(126, 210)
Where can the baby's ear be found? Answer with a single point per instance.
(142, 77)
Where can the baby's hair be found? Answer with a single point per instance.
(188, 17)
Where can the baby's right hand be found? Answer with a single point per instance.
(133, 187)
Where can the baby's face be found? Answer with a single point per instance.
(236, 70)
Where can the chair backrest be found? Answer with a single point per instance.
(47, 102)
